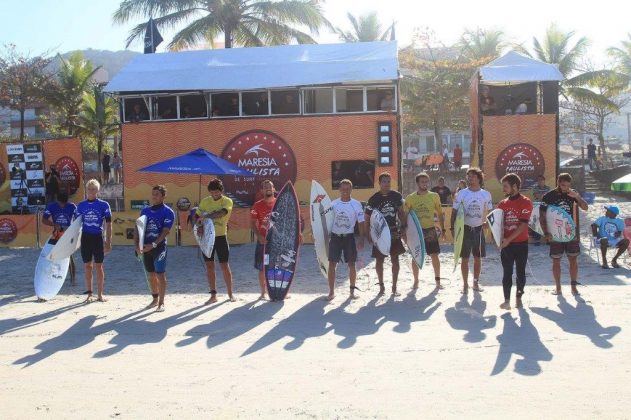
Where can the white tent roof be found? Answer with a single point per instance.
(262, 67)
(516, 68)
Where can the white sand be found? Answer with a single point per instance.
(419, 355)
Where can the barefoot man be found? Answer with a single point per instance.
(346, 213)
(95, 213)
(259, 223)
(160, 219)
(59, 215)
(217, 207)
(427, 205)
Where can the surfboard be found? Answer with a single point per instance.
(283, 239)
(141, 224)
(206, 241)
(496, 224)
(458, 234)
(69, 242)
(49, 275)
(415, 240)
(321, 224)
(559, 223)
(380, 232)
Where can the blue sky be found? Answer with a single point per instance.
(62, 25)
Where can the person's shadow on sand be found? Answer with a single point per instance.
(13, 324)
(580, 320)
(366, 321)
(410, 310)
(307, 322)
(522, 340)
(232, 324)
(470, 318)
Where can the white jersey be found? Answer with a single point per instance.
(345, 215)
(475, 204)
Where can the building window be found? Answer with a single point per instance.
(164, 107)
(193, 106)
(135, 110)
(360, 172)
(225, 104)
(430, 144)
(466, 143)
(349, 100)
(255, 103)
(380, 99)
(318, 101)
(285, 102)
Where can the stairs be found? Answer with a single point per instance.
(593, 185)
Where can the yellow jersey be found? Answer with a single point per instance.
(209, 205)
(425, 206)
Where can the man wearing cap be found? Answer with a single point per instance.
(608, 229)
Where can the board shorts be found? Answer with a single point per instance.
(342, 245)
(396, 247)
(92, 248)
(221, 250)
(431, 241)
(155, 261)
(259, 258)
(571, 249)
(473, 242)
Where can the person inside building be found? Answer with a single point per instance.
(137, 114)
(387, 102)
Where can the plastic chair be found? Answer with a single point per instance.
(594, 244)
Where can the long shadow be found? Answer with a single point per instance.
(307, 322)
(580, 320)
(232, 324)
(350, 326)
(470, 318)
(410, 310)
(11, 299)
(521, 340)
(15, 324)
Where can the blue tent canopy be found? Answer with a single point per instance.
(197, 162)
(259, 68)
(516, 68)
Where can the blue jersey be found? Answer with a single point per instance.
(608, 228)
(60, 216)
(158, 218)
(94, 214)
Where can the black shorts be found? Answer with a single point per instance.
(259, 258)
(92, 248)
(473, 242)
(155, 261)
(431, 241)
(572, 249)
(221, 249)
(339, 245)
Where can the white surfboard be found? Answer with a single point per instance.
(206, 241)
(141, 224)
(415, 240)
(380, 232)
(496, 224)
(49, 275)
(321, 224)
(560, 224)
(69, 242)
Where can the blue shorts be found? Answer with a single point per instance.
(156, 260)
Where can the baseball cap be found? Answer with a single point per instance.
(614, 209)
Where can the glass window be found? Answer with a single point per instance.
(360, 172)
(430, 145)
(466, 143)
(164, 107)
(135, 110)
(193, 106)
(254, 103)
(318, 101)
(285, 102)
(380, 99)
(349, 100)
(225, 104)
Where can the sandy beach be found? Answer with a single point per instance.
(426, 353)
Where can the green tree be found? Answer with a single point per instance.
(365, 28)
(248, 23)
(622, 56)
(482, 44)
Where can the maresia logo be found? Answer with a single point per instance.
(8, 231)
(522, 159)
(69, 174)
(264, 154)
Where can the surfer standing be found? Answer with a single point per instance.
(564, 197)
(259, 223)
(390, 204)
(59, 215)
(514, 248)
(346, 213)
(217, 207)
(94, 212)
(477, 203)
(160, 219)
(427, 206)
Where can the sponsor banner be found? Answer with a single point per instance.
(19, 230)
(8, 230)
(65, 155)
(522, 159)
(69, 174)
(26, 163)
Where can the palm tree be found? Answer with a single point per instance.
(248, 23)
(366, 28)
(622, 56)
(73, 81)
(482, 44)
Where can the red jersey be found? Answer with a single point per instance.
(517, 210)
(261, 211)
(458, 154)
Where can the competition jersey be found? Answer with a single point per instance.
(209, 205)
(607, 228)
(158, 218)
(475, 205)
(388, 205)
(261, 212)
(425, 206)
(517, 210)
(345, 215)
(94, 213)
(60, 216)
(563, 201)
